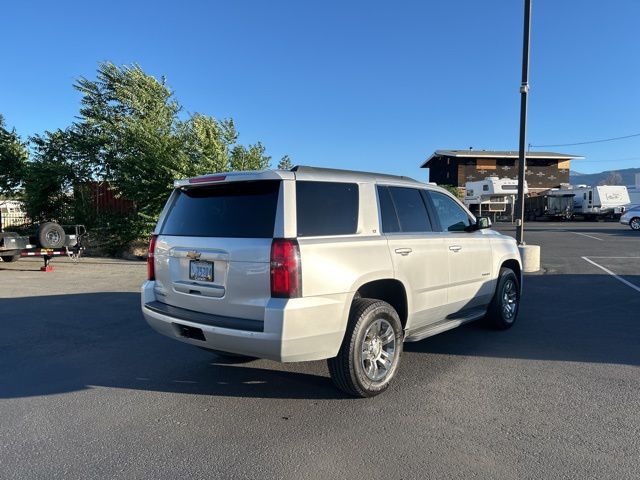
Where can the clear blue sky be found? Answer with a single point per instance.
(363, 85)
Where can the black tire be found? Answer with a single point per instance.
(507, 293)
(634, 223)
(50, 235)
(347, 369)
(10, 258)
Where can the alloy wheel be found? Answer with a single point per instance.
(509, 300)
(378, 349)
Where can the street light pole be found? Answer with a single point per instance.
(524, 91)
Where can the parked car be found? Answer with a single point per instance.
(631, 217)
(315, 263)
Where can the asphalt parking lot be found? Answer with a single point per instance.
(87, 390)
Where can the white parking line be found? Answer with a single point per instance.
(617, 277)
(591, 256)
(584, 235)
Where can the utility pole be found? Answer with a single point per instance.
(524, 91)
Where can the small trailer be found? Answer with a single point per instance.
(549, 205)
(603, 201)
(493, 195)
(50, 240)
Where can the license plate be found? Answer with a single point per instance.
(201, 270)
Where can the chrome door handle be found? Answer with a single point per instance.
(403, 251)
(455, 248)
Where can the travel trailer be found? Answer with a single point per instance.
(600, 201)
(493, 195)
(634, 192)
(634, 195)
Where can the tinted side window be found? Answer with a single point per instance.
(235, 209)
(387, 211)
(452, 216)
(326, 208)
(412, 212)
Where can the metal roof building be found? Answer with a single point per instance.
(456, 167)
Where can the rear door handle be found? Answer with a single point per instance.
(403, 251)
(455, 248)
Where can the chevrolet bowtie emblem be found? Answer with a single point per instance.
(193, 255)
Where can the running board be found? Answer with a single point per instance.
(452, 321)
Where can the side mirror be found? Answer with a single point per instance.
(483, 222)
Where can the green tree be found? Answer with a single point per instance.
(132, 136)
(13, 159)
(130, 132)
(128, 124)
(208, 143)
(454, 191)
(49, 178)
(252, 158)
(285, 163)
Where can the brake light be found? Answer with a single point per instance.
(151, 268)
(209, 178)
(286, 277)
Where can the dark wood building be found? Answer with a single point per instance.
(457, 167)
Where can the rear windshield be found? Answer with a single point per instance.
(237, 210)
(326, 208)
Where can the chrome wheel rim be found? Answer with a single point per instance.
(378, 350)
(53, 237)
(635, 223)
(509, 300)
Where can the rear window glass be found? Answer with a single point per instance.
(326, 208)
(387, 211)
(411, 209)
(236, 210)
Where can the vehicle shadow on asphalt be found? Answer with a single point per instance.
(573, 318)
(65, 343)
(33, 266)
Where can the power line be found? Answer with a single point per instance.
(587, 142)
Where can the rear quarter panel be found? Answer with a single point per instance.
(333, 265)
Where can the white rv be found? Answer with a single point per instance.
(634, 193)
(600, 201)
(634, 196)
(11, 213)
(492, 195)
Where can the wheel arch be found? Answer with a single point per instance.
(514, 265)
(390, 290)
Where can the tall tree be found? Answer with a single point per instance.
(13, 159)
(132, 136)
(49, 177)
(285, 163)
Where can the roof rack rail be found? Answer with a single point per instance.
(339, 171)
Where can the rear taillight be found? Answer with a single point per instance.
(151, 268)
(286, 278)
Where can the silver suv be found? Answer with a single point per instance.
(315, 263)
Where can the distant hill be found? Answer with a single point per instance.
(628, 177)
